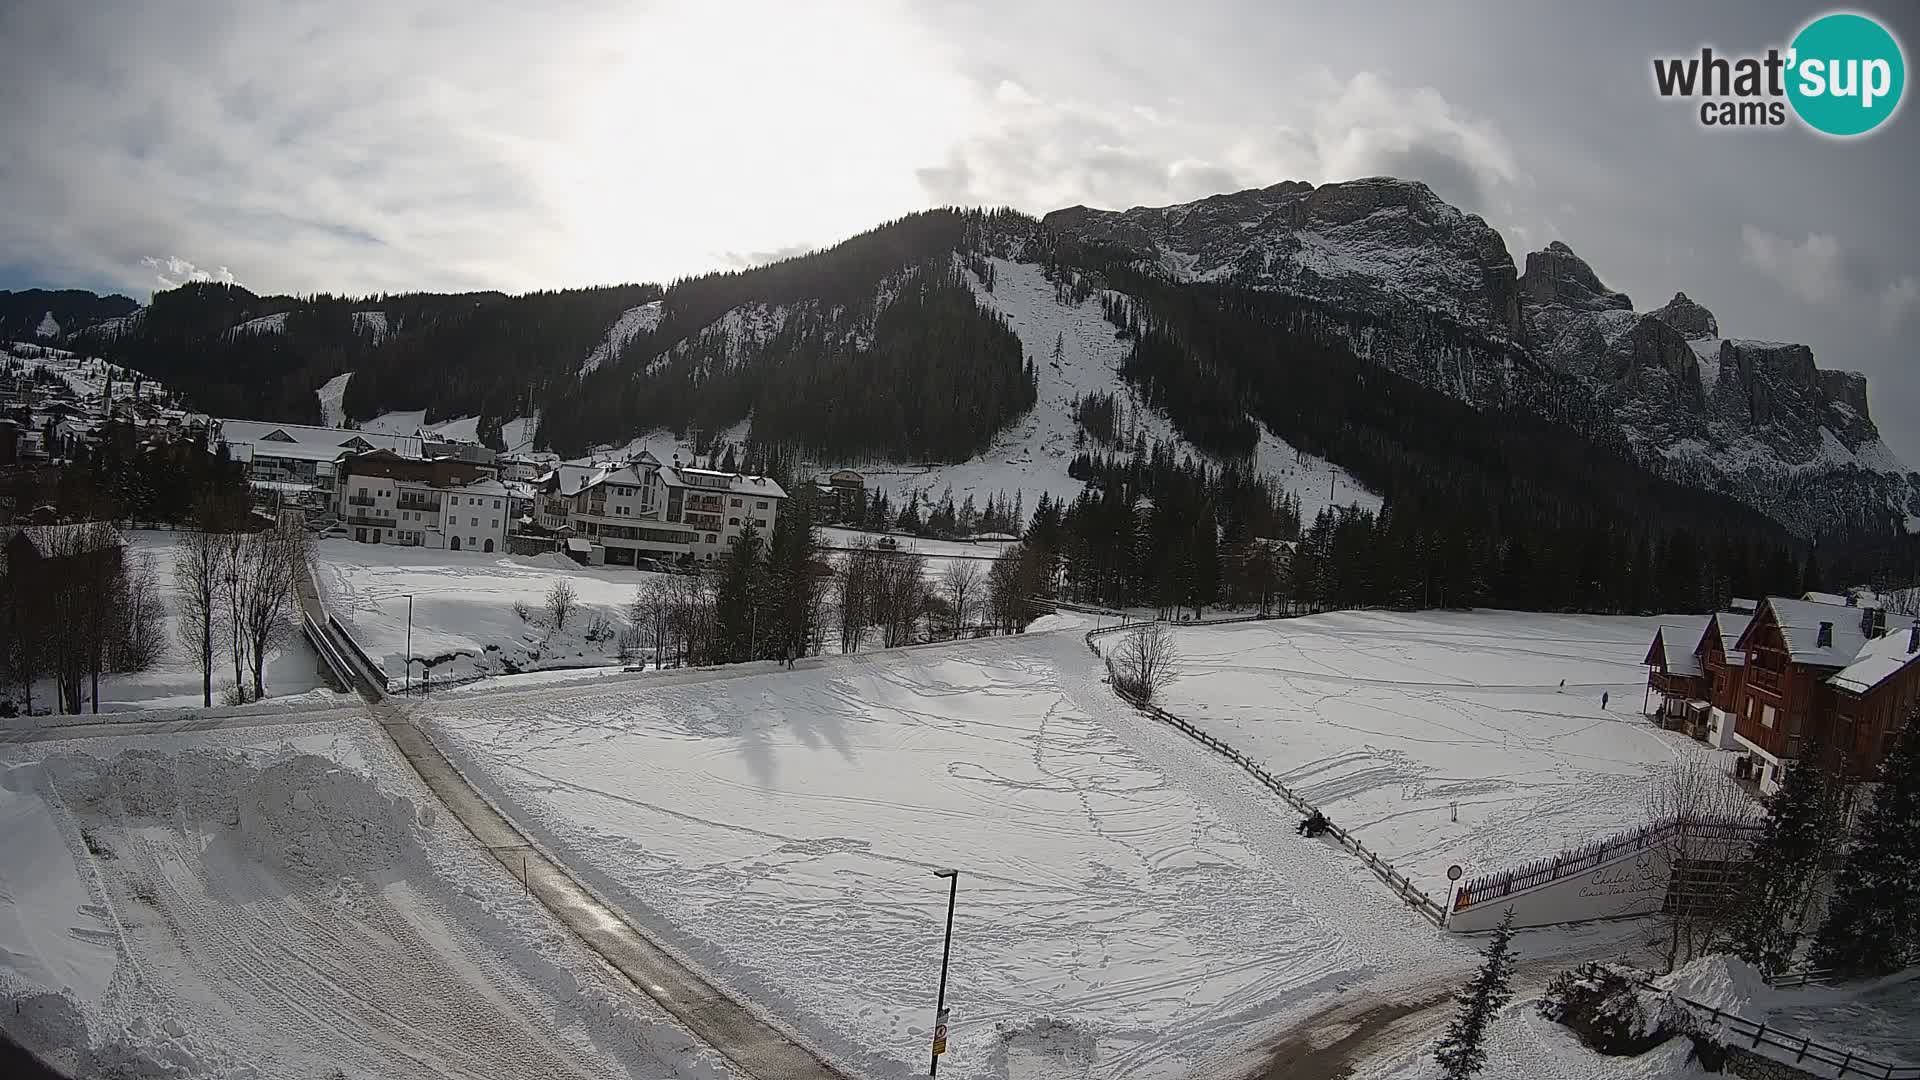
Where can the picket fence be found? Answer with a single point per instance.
(1588, 856)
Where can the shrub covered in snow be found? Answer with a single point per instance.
(1603, 1005)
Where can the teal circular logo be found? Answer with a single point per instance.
(1846, 75)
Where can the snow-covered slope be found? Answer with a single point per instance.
(330, 394)
(631, 324)
(374, 323)
(265, 324)
(87, 376)
(49, 326)
(1032, 455)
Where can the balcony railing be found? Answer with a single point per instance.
(429, 505)
(1764, 679)
(360, 500)
(370, 519)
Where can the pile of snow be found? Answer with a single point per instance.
(1440, 737)
(203, 891)
(1720, 982)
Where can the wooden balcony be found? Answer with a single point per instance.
(1764, 679)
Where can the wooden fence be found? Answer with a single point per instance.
(1400, 885)
(1588, 856)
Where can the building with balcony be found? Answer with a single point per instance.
(387, 498)
(640, 510)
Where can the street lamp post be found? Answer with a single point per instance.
(946, 953)
(407, 683)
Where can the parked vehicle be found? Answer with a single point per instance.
(888, 543)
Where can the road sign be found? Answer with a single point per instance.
(940, 1033)
(1454, 872)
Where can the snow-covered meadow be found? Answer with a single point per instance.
(1440, 737)
(781, 829)
(278, 901)
(464, 621)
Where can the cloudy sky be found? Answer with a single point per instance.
(378, 145)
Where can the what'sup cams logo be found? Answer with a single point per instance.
(1842, 76)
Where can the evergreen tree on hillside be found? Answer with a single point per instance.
(1802, 824)
(1873, 921)
(793, 591)
(1461, 1052)
(737, 603)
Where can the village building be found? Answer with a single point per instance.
(388, 498)
(1820, 669)
(641, 512)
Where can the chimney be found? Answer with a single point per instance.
(1873, 622)
(1913, 638)
(1825, 640)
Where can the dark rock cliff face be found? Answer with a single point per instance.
(1377, 244)
(1757, 420)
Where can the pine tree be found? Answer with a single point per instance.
(736, 607)
(1784, 867)
(1462, 1051)
(1873, 920)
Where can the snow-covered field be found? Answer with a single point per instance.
(1391, 721)
(463, 617)
(292, 669)
(781, 830)
(276, 902)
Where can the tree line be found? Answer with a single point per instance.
(77, 606)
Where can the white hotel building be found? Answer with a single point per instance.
(642, 509)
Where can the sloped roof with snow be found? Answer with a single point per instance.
(286, 440)
(1799, 622)
(760, 487)
(1673, 645)
(1878, 660)
(1730, 626)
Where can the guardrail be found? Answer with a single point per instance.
(323, 644)
(369, 670)
(1588, 856)
(1401, 886)
(1804, 1050)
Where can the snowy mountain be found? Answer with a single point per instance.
(1756, 420)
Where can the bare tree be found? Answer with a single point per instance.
(235, 572)
(142, 637)
(962, 581)
(561, 602)
(900, 600)
(267, 600)
(1701, 803)
(199, 567)
(856, 583)
(1145, 662)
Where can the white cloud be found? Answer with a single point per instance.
(1809, 270)
(1042, 154)
(174, 271)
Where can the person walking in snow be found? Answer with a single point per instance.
(1603, 699)
(1563, 687)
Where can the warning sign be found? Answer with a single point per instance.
(940, 1033)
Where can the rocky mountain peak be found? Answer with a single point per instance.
(1694, 322)
(1555, 275)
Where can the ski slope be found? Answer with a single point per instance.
(1122, 912)
(1032, 455)
(331, 393)
(1393, 722)
(278, 902)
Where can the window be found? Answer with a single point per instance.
(761, 505)
(496, 523)
(496, 504)
(1767, 715)
(475, 522)
(735, 502)
(760, 522)
(363, 491)
(733, 521)
(471, 541)
(711, 539)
